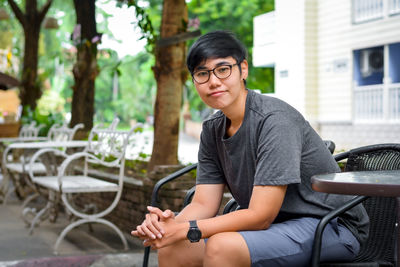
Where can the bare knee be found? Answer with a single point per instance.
(228, 249)
(181, 254)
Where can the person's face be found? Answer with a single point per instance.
(220, 93)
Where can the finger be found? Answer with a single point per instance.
(149, 243)
(153, 225)
(140, 231)
(168, 214)
(146, 243)
(135, 233)
(149, 229)
(155, 210)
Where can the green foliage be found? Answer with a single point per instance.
(46, 119)
(136, 87)
(11, 39)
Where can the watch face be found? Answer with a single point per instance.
(194, 235)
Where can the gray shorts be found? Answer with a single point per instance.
(290, 243)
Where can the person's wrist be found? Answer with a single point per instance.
(194, 234)
(184, 230)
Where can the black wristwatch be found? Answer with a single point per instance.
(194, 233)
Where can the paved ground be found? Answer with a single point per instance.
(80, 247)
(102, 247)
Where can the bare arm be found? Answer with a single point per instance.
(205, 204)
(264, 206)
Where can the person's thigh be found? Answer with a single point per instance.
(182, 253)
(290, 243)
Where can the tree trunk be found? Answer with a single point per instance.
(30, 91)
(170, 73)
(85, 69)
(30, 20)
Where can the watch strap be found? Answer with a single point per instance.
(193, 224)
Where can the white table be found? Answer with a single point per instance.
(22, 139)
(48, 144)
(20, 167)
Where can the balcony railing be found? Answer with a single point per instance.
(372, 103)
(394, 7)
(394, 102)
(366, 10)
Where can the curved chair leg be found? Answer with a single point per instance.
(8, 194)
(29, 199)
(40, 216)
(83, 221)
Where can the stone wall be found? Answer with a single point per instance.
(136, 195)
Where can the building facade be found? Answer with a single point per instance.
(337, 62)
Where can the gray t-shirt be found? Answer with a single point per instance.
(275, 145)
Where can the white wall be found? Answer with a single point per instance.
(337, 38)
(264, 40)
(290, 66)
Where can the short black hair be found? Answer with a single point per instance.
(215, 44)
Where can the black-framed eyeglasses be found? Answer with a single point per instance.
(221, 72)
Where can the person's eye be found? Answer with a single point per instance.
(201, 74)
(223, 69)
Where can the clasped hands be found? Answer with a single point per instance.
(159, 229)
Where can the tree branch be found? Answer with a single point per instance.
(18, 13)
(44, 10)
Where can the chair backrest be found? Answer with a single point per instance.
(63, 132)
(29, 130)
(380, 245)
(109, 144)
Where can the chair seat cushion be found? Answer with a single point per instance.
(76, 184)
(18, 167)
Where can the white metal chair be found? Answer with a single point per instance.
(16, 170)
(106, 147)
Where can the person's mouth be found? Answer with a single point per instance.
(217, 93)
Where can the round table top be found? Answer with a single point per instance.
(368, 183)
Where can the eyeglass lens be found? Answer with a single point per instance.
(221, 72)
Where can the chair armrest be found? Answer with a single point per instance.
(189, 195)
(316, 250)
(38, 154)
(163, 181)
(330, 145)
(230, 206)
(71, 158)
(341, 156)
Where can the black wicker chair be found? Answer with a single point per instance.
(231, 205)
(380, 247)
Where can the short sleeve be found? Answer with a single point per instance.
(279, 150)
(209, 170)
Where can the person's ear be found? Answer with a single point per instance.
(244, 65)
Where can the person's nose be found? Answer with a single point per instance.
(214, 81)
